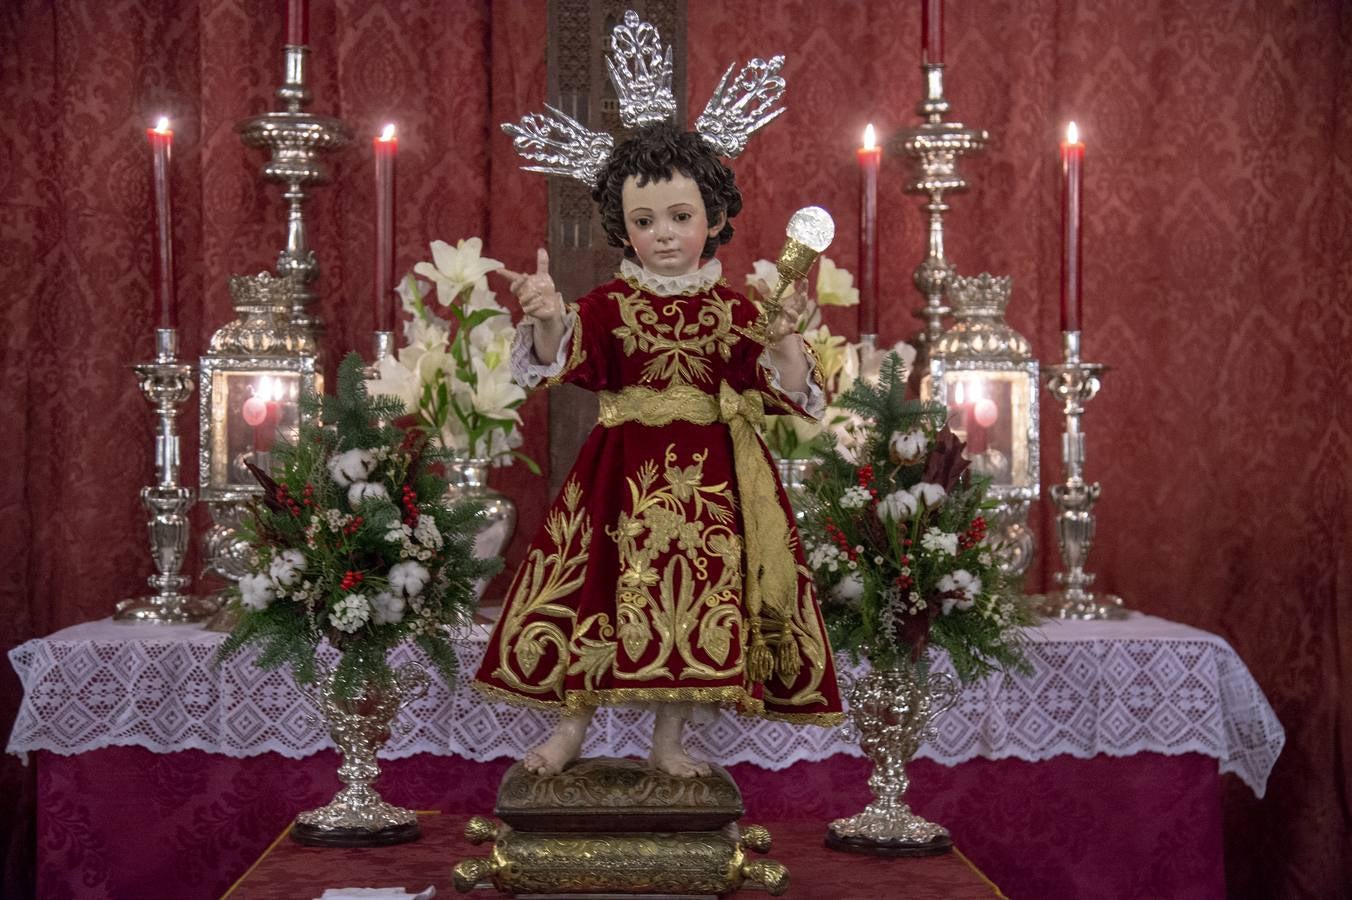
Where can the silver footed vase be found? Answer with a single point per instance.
(794, 475)
(468, 480)
(891, 713)
(357, 816)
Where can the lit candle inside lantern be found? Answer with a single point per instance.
(298, 22)
(386, 144)
(1072, 260)
(161, 142)
(262, 411)
(870, 156)
(932, 32)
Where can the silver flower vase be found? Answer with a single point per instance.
(891, 713)
(357, 816)
(469, 481)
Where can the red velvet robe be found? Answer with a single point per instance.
(632, 590)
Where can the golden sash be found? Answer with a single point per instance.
(771, 582)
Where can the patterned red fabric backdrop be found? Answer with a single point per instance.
(1218, 210)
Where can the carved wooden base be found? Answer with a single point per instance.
(617, 826)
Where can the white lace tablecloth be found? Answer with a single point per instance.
(1116, 688)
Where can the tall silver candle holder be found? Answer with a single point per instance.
(296, 139)
(166, 383)
(936, 146)
(1074, 383)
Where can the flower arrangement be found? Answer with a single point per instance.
(455, 371)
(354, 545)
(896, 539)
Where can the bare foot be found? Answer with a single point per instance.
(668, 755)
(561, 748)
(678, 763)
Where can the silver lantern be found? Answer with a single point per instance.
(251, 380)
(984, 371)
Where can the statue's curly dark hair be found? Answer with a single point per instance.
(655, 152)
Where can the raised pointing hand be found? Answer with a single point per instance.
(536, 292)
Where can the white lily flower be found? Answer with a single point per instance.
(286, 567)
(256, 591)
(835, 286)
(352, 465)
(830, 350)
(396, 380)
(929, 494)
(897, 506)
(764, 277)
(405, 290)
(408, 578)
(362, 491)
(453, 269)
(387, 608)
(495, 392)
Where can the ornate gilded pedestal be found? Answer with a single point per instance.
(617, 826)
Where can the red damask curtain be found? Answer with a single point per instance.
(1218, 207)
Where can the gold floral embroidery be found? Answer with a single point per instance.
(680, 604)
(541, 582)
(576, 355)
(680, 348)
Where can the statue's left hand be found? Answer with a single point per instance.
(793, 305)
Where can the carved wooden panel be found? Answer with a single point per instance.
(580, 258)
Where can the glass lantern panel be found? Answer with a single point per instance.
(990, 410)
(250, 412)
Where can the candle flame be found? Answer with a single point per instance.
(162, 126)
(1072, 133)
(388, 133)
(870, 139)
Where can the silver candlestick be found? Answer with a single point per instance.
(296, 139)
(936, 146)
(166, 383)
(1074, 383)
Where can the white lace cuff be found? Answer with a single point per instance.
(527, 370)
(812, 401)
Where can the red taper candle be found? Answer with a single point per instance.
(932, 32)
(298, 23)
(386, 145)
(870, 155)
(1072, 260)
(161, 142)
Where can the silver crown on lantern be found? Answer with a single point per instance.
(640, 68)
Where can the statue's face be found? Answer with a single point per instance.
(666, 223)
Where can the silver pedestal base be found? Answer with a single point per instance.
(1082, 605)
(165, 609)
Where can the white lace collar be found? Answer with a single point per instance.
(703, 278)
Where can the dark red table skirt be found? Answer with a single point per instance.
(289, 871)
(128, 824)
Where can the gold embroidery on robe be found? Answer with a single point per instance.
(542, 580)
(679, 348)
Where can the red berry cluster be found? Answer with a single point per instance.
(410, 504)
(835, 534)
(905, 582)
(866, 481)
(308, 495)
(351, 579)
(354, 526)
(974, 535)
(284, 497)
